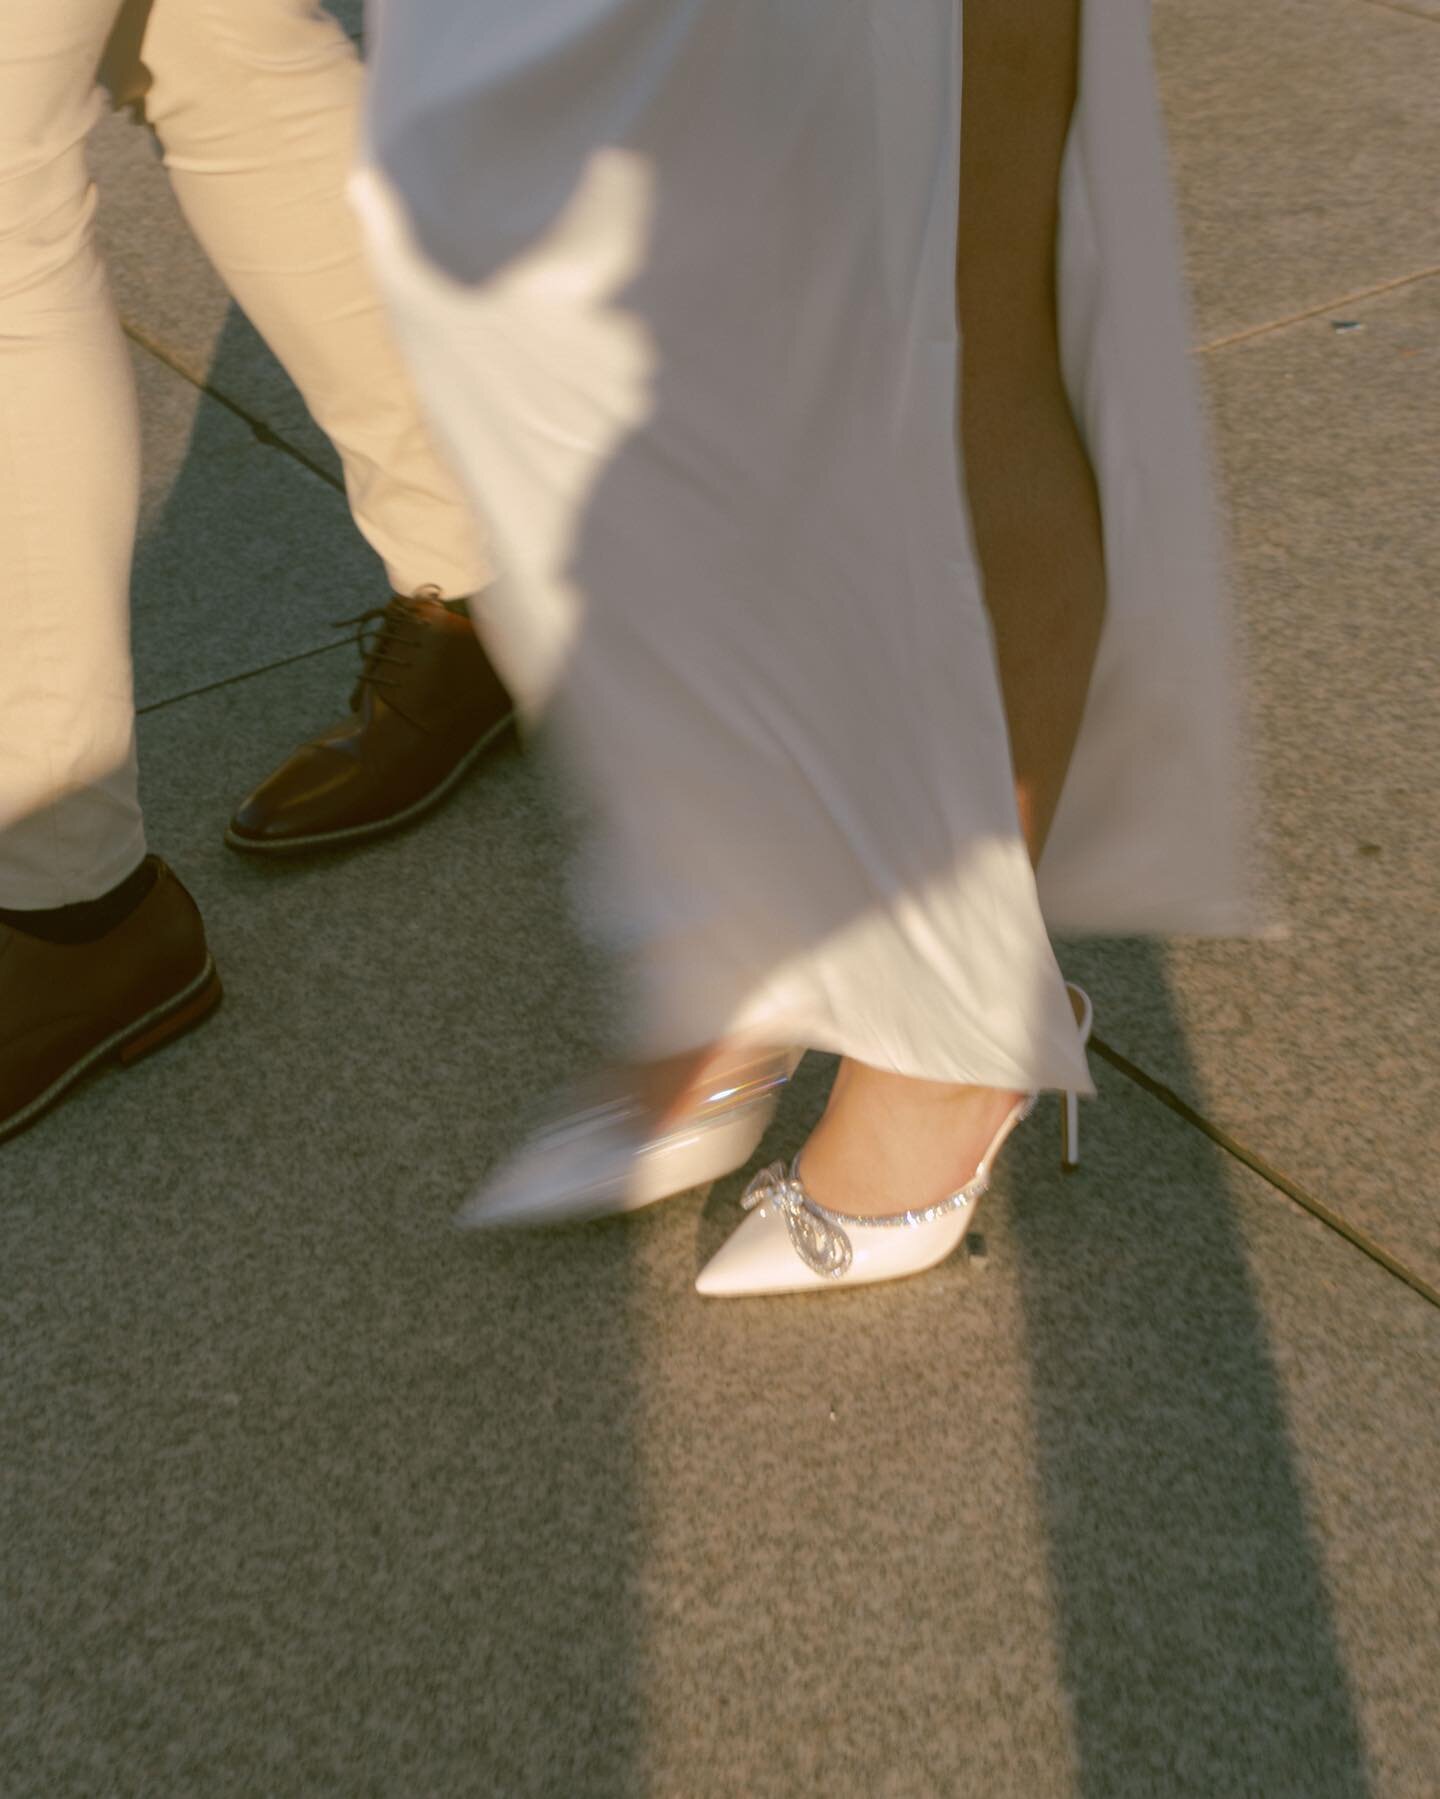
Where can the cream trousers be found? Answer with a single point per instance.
(255, 103)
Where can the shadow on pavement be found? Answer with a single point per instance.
(1195, 1632)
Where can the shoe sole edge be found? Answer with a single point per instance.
(170, 1019)
(380, 827)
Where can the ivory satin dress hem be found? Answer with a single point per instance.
(676, 280)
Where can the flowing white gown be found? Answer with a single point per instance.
(677, 280)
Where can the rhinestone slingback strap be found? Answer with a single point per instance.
(820, 1237)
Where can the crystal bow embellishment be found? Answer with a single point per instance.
(817, 1238)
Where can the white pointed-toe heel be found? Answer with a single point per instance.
(595, 1160)
(790, 1243)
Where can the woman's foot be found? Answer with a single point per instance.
(796, 1240)
(636, 1133)
(670, 1087)
(888, 1143)
(887, 1186)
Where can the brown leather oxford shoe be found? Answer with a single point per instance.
(67, 1008)
(427, 706)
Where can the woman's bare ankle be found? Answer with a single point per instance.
(888, 1143)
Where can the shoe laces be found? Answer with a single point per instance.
(388, 636)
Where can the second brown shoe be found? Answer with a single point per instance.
(427, 706)
(69, 1007)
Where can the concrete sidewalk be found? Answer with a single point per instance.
(302, 1493)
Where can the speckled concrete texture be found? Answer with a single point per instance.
(244, 557)
(1420, 9)
(315, 1495)
(302, 1492)
(1319, 1049)
(1302, 135)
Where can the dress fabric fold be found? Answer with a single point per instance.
(676, 278)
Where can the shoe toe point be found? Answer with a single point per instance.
(490, 1210)
(708, 1283)
(259, 824)
(508, 1197)
(241, 834)
(758, 1258)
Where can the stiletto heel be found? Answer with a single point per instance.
(1069, 1132)
(790, 1243)
(1070, 1102)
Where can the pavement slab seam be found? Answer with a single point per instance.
(249, 674)
(1314, 312)
(265, 434)
(1312, 1045)
(1277, 1178)
(241, 559)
